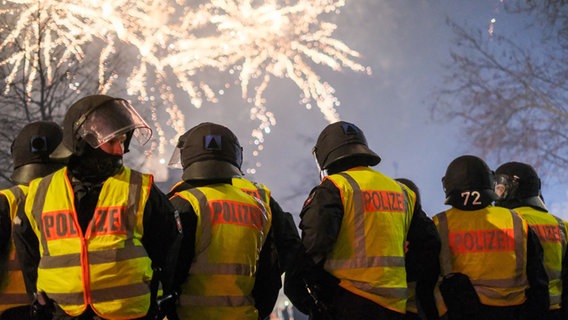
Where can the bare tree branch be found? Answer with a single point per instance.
(510, 93)
(39, 94)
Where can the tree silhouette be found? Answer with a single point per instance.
(511, 92)
(42, 92)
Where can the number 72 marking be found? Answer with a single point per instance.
(471, 195)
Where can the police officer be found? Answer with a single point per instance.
(94, 231)
(30, 153)
(416, 310)
(491, 261)
(225, 228)
(355, 226)
(284, 239)
(518, 188)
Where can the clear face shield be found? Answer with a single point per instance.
(505, 185)
(111, 120)
(175, 160)
(322, 173)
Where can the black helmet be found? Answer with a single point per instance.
(341, 140)
(31, 148)
(469, 183)
(518, 184)
(96, 119)
(208, 151)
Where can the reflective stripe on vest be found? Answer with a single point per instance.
(494, 235)
(231, 229)
(12, 287)
(411, 302)
(79, 269)
(374, 202)
(551, 232)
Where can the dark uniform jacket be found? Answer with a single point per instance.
(321, 220)
(5, 229)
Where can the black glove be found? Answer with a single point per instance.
(320, 306)
(165, 307)
(42, 307)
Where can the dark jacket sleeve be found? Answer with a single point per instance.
(268, 278)
(422, 261)
(286, 237)
(5, 232)
(5, 226)
(320, 223)
(186, 250)
(160, 228)
(538, 299)
(321, 219)
(27, 249)
(275, 257)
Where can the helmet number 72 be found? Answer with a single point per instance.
(474, 195)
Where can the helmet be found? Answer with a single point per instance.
(466, 176)
(342, 140)
(31, 148)
(97, 119)
(208, 151)
(518, 184)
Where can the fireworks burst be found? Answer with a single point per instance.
(255, 41)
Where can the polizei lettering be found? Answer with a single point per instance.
(251, 192)
(548, 232)
(378, 200)
(58, 224)
(109, 220)
(482, 241)
(232, 212)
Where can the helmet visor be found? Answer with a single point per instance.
(113, 119)
(175, 160)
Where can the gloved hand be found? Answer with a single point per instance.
(42, 307)
(319, 308)
(165, 307)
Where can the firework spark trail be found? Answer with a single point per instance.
(254, 40)
(62, 31)
(269, 40)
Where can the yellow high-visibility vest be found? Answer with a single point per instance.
(107, 267)
(231, 230)
(490, 246)
(254, 189)
(12, 287)
(368, 256)
(551, 232)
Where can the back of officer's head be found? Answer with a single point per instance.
(518, 184)
(469, 183)
(342, 145)
(31, 148)
(209, 151)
